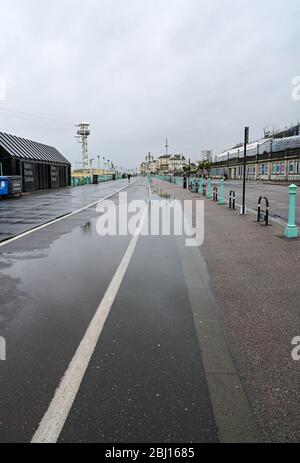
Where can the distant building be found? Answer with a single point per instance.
(144, 168)
(207, 155)
(166, 164)
(290, 131)
(275, 158)
(177, 164)
(163, 163)
(148, 168)
(40, 166)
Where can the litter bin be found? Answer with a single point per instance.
(95, 180)
(3, 186)
(15, 185)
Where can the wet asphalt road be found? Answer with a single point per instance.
(32, 210)
(146, 381)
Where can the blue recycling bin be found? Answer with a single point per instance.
(3, 186)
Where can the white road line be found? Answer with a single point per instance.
(150, 192)
(55, 418)
(29, 232)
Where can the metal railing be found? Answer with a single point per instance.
(87, 180)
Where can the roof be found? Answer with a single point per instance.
(20, 148)
(178, 157)
(250, 146)
(286, 143)
(265, 145)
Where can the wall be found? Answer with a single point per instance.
(281, 166)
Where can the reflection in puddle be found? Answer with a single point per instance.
(86, 228)
(162, 194)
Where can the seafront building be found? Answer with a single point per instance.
(275, 157)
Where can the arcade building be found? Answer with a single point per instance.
(276, 157)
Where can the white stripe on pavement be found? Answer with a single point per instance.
(29, 232)
(55, 418)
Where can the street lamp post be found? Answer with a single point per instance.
(104, 164)
(149, 159)
(107, 167)
(189, 174)
(245, 168)
(91, 169)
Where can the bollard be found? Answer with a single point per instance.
(265, 213)
(222, 194)
(292, 230)
(215, 194)
(209, 192)
(185, 183)
(201, 186)
(232, 199)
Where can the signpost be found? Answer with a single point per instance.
(245, 169)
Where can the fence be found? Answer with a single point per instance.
(291, 231)
(87, 180)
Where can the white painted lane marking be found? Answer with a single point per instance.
(150, 191)
(55, 418)
(29, 232)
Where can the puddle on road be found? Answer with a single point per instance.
(162, 194)
(50, 276)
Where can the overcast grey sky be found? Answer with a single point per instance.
(142, 70)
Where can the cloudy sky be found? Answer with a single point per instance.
(142, 70)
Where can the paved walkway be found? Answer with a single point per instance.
(110, 321)
(19, 215)
(278, 196)
(254, 276)
(129, 329)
